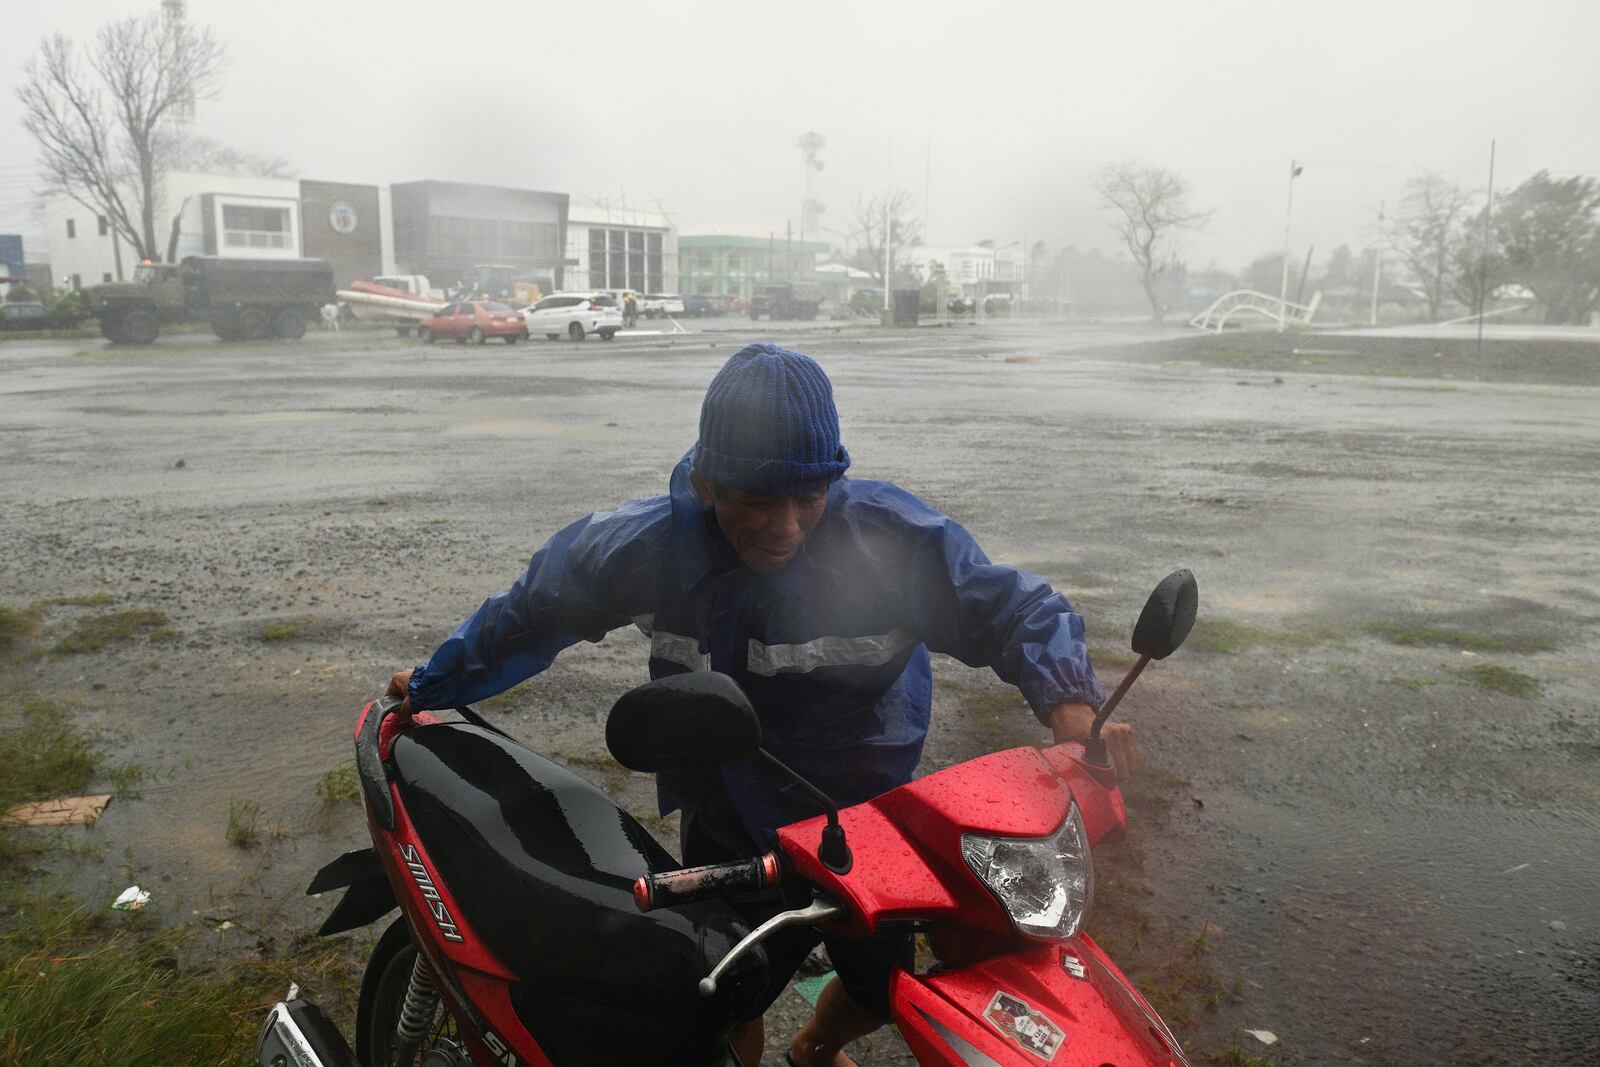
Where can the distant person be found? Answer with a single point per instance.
(630, 310)
(330, 317)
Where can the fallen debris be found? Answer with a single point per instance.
(1266, 1037)
(131, 899)
(57, 812)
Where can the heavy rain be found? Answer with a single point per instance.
(319, 320)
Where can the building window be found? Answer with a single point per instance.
(105, 228)
(246, 226)
(597, 259)
(72, 230)
(652, 262)
(77, 281)
(106, 277)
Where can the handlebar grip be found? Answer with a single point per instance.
(653, 891)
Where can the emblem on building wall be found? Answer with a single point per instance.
(342, 216)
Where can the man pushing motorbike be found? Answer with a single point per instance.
(822, 596)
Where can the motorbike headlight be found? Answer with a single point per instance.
(1044, 883)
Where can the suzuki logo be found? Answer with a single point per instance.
(425, 886)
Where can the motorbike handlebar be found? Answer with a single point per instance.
(653, 891)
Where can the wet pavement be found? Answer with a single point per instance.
(1400, 854)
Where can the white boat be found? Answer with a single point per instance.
(370, 301)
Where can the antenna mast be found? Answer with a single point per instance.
(810, 143)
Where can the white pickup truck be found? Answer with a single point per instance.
(656, 305)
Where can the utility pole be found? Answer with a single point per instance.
(1377, 264)
(1483, 261)
(1283, 286)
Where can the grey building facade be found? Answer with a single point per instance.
(444, 229)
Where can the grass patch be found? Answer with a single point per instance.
(1000, 719)
(1121, 659)
(16, 626)
(339, 785)
(85, 986)
(83, 600)
(602, 762)
(98, 631)
(42, 754)
(283, 630)
(1409, 636)
(1493, 678)
(1230, 637)
(244, 824)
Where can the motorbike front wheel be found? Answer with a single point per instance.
(383, 993)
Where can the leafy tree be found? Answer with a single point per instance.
(105, 126)
(1424, 230)
(1149, 209)
(1548, 233)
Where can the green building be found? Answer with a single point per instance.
(724, 262)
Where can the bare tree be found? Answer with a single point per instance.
(104, 126)
(892, 214)
(1149, 208)
(1425, 230)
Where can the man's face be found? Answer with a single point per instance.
(766, 531)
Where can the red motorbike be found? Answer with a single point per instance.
(542, 925)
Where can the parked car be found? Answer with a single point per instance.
(475, 321)
(575, 314)
(24, 315)
(656, 305)
(700, 306)
(733, 304)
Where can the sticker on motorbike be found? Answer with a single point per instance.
(1074, 966)
(1031, 1029)
(425, 886)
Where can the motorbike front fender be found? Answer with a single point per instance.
(1046, 1002)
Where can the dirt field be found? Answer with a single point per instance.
(1373, 795)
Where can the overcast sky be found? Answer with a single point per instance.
(1016, 107)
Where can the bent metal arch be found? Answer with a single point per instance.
(1286, 312)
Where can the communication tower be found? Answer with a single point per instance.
(810, 143)
(173, 15)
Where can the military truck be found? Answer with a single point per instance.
(243, 299)
(786, 300)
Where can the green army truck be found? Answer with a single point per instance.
(243, 299)
(786, 300)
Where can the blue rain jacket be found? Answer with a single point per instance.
(832, 650)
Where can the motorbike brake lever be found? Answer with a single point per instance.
(821, 909)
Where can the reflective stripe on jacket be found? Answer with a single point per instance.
(832, 650)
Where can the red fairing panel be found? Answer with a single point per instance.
(474, 983)
(907, 842)
(1028, 1008)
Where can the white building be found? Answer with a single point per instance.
(620, 248)
(972, 270)
(221, 215)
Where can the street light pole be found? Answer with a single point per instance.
(1283, 285)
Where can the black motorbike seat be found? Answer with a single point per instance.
(542, 866)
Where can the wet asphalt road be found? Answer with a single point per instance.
(1404, 867)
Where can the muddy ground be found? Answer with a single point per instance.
(1374, 766)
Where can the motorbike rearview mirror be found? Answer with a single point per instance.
(685, 721)
(1167, 616)
(1166, 620)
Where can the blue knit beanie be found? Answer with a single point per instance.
(768, 424)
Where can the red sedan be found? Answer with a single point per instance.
(475, 321)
